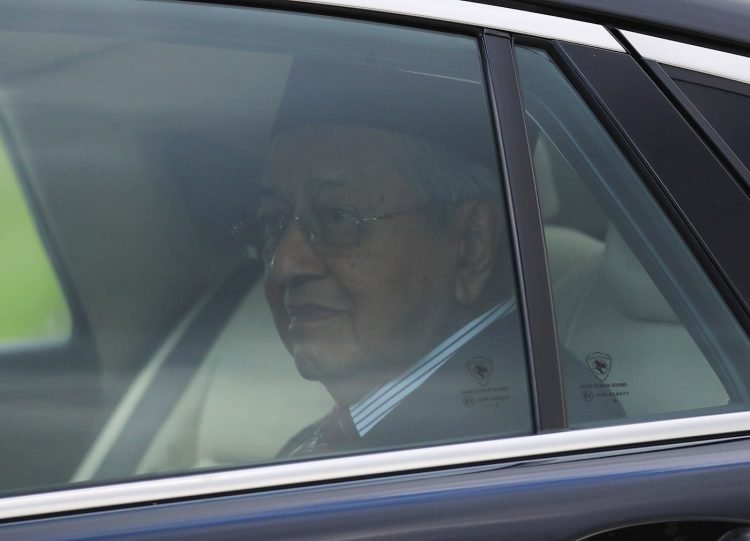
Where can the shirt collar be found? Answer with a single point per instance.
(370, 410)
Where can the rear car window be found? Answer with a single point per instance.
(286, 234)
(632, 305)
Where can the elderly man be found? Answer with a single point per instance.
(387, 260)
(388, 263)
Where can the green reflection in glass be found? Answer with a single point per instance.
(32, 305)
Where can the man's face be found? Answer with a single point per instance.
(370, 310)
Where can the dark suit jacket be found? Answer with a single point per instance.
(480, 393)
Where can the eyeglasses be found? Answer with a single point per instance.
(328, 229)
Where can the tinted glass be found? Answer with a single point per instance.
(632, 305)
(197, 165)
(723, 102)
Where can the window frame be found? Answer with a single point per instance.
(684, 58)
(714, 82)
(545, 373)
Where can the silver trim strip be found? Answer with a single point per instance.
(527, 447)
(498, 18)
(682, 55)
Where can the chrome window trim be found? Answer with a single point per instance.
(692, 57)
(333, 469)
(494, 17)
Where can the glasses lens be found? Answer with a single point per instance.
(272, 221)
(246, 236)
(336, 227)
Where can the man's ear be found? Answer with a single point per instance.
(480, 226)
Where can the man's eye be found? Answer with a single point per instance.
(272, 221)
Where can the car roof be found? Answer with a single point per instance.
(722, 22)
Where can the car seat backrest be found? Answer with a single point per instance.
(566, 247)
(632, 290)
(609, 308)
(245, 401)
(135, 258)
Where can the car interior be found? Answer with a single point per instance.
(135, 178)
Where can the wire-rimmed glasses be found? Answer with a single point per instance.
(328, 228)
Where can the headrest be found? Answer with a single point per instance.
(630, 286)
(256, 399)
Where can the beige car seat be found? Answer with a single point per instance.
(566, 247)
(609, 308)
(243, 403)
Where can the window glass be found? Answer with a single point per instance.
(632, 305)
(34, 311)
(198, 165)
(723, 102)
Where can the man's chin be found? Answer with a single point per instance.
(308, 365)
(307, 369)
(319, 365)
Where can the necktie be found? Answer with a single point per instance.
(335, 433)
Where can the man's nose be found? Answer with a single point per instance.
(294, 256)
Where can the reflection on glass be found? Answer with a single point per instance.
(34, 311)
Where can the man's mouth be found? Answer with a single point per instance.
(310, 312)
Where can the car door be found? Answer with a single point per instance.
(135, 126)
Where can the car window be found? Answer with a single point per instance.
(35, 311)
(287, 234)
(723, 102)
(632, 305)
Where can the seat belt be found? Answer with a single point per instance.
(175, 373)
